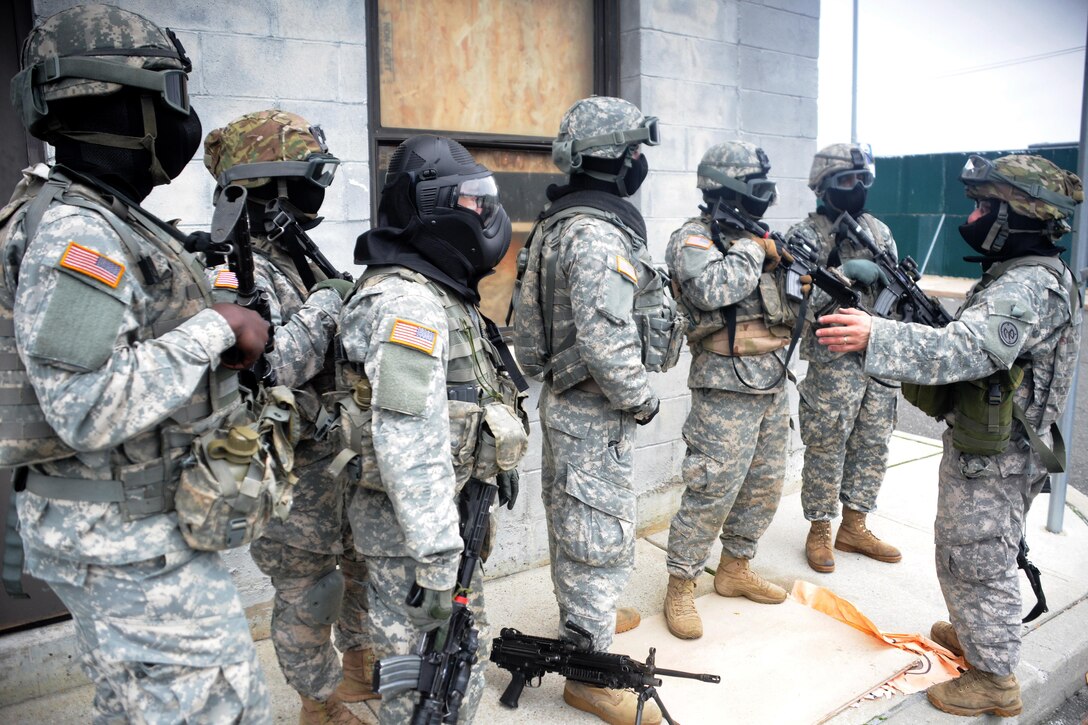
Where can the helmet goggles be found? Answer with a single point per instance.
(318, 168)
(847, 180)
(646, 133)
(759, 188)
(979, 170)
(172, 84)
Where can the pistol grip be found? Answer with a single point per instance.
(512, 693)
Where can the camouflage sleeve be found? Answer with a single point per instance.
(1006, 318)
(74, 331)
(303, 328)
(602, 291)
(398, 331)
(710, 280)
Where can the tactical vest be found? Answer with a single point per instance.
(982, 411)
(25, 436)
(544, 337)
(488, 426)
(762, 320)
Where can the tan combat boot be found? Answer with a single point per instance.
(627, 618)
(680, 614)
(357, 684)
(330, 712)
(617, 707)
(735, 579)
(945, 635)
(854, 536)
(818, 547)
(976, 692)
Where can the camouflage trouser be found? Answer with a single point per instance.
(298, 554)
(165, 640)
(590, 507)
(390, 579)
(980, 519)
(733, 474)
(846, 420)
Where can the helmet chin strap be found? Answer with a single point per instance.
(146, 142)
(616, 178)
(999, 231)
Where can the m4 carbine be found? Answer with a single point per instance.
(528, 658)
(901, 297)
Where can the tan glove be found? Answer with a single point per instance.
(806, 284)
(771, 257)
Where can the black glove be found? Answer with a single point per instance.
(507, 482)
(645, 414)
(433, 611)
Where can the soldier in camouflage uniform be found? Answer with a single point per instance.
(1009, 356)
(738, 427)
(579, 330)
(124, 358)
(846, 416)
(283, 162)
(427, 402)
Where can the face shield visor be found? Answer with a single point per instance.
(480, 196)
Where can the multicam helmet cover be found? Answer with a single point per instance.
(602, 127)
(254, 148)
(837, 158)
(95, 50)
(1032, 185)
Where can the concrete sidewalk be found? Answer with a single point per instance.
(786, 663)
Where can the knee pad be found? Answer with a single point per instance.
(320, 606)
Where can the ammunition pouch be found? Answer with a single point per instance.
(933, 400)
(752, 337)
(983, 409)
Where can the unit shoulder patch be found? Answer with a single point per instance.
(414, 335)
(698, 241)
(624, 267)
(97, 266)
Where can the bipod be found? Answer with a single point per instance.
(644, 694)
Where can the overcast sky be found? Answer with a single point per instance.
(953, 75)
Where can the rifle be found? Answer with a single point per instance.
(230, 233)
(440, 669)
(806, 257)
(280, 221)
(528, 658)
(902, 296)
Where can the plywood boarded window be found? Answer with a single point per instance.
(495, 75)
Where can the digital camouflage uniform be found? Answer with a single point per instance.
(396, 331)
(736, 432)
(303, 553)
(1025, 312)
(110, 319)
(846, 417)
(160, 625)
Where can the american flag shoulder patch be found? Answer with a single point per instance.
(697, 240)
(86, 261)
(225, 279)
(624, 267)
(413, 334)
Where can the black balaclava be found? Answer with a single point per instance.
(851, 201)
(630, 173)
(1027, 236)
(128, 170)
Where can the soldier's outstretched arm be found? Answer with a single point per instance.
(401, 339)
(78, 305)
(602, 288)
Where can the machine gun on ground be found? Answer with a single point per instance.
(440, 670)
(528, 658)
(901, 297)
(230, 237)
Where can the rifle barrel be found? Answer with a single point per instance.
(688, 675)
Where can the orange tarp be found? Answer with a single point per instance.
(942, 664)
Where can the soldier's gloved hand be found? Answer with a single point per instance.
(341, 286)
(864, 271)
(251, 333)
(771, 257)
(806, 284)
(434, 610)
(508, 487)
(647, 411)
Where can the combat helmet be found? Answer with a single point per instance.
(602, 127)
(736, 171)
(1024, 185)
(842, 165)
(95, 50)
(269, 146)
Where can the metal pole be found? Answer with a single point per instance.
(1079, 258)
(854, 86)
(932, 244)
